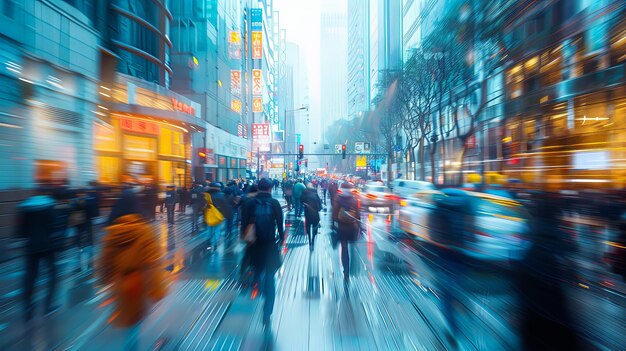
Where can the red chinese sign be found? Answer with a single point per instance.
(182, 107)
(257, 45)
(235, 82)
(257, 82)
(257, 104)
(261, 132)
(139, 126)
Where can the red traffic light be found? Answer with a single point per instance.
(343, 147)
(301, 147)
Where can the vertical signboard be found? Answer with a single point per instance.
(257, 82)
(235, 82)
(235, 105)
(261, 132)
(256, 21)
(257, 104)
(240, 130)
(257, 45)
(234, 45)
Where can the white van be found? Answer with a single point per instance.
(405, 188)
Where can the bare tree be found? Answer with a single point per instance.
(388, 115)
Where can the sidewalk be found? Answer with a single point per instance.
(76, 288)
(386, 306)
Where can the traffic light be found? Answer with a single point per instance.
(301, 152)
(306, 164)
(343, 151)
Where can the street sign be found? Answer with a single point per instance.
(337, 148)
(358, 147)
(361, 161)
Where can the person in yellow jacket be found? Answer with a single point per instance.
(132, 262)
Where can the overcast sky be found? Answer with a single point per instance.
(301, 19)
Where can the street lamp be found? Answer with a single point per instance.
(304, 107)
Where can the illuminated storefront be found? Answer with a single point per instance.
(145, 131)
(227, 157)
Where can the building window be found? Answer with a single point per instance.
(8, 8)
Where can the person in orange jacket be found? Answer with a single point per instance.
(132, 262)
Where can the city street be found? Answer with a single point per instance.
(401, 296)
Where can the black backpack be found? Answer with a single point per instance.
(264, 221)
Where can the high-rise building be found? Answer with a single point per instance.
(385, 40)
(203, 58)
(358, 90)
(333, 53)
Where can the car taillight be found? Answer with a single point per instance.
(371, 196)
(391, 197)
(481, 233)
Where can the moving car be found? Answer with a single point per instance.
(483, 226)
(405, 188)
(375, 198)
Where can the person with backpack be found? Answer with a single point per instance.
(263, 215)
(348, 216)
(132, 262)
(312, 206)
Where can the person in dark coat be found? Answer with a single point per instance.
(37, 225)
(288, 194)
(312, 206)
(180, 196)
(324, 186)
(546, 318)
(264, 254)
(128, 203)
(170, 203)
(83, 238)
(197, 205)
(346, 211)
(333, 187)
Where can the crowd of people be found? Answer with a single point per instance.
(131, 260)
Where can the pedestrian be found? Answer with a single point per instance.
(83, 239)
(312, 206)
(215, 197)
(229, 215)
(298, 189)
(180, 197)
(132, 262)
(546, 319)
(150, 200)
(170, 203)
(324, 186)
(288, 194)
(36, 224)
(333, 189)
(198, 202)
(265, 214)
(348, 216)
